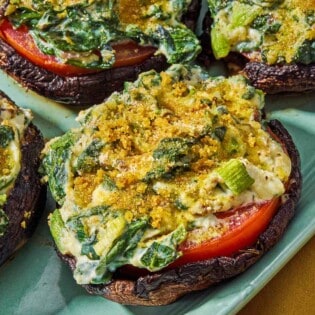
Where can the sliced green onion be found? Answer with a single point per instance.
(235, 176)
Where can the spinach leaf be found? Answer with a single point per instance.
(217, 5)
(87, 161)
(73, 34)
(219, 133)
(86, 240)
(121, 251)
(172, 154)
(306, 52)
(125, 246)
(6, 135)
(157, 172)
(267, 24)
(264, 3)
(179, 43)
(88, 249)
(77, 225)
(81, 34)
(172, 149)
(250, 93)
(109, 184)
(98, 210)
(162, 253)
(56, 165)
(25, 16)
(310, 17)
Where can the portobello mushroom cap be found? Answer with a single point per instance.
(85, 89)
(26, 200)
(272, 79)
(166, 286)
(281, 78)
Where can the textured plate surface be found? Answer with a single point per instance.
(35, 282)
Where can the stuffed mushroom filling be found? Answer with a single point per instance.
(81, 33)
(157, 166)
(273, 32)
(13, 122)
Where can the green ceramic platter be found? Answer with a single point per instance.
(35, 282)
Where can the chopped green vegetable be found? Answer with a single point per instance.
(88, 159)
(98, 210)
(109, 184)
(81, 33)
(57, 227)
(122, 249)
(56, 164)
(220, 43)
(219, 132)
(235, 176)
(158, 172)
(232, 146)
(250, 93)
(179, 43)
(306, 52)
(217, 5)
(6, 135)
(3, 199)
(172, 154)
(172, 149)
(163, 252)
(276, 32)
(243, 14)
(179, 205)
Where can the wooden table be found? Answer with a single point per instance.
(291, 291)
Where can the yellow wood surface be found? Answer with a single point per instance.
(291, 291)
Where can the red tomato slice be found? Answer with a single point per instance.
(245, 225)
(130, 53)
(127, 53)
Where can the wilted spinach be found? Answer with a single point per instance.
(6, 135)
(55, 165)
(162, 253)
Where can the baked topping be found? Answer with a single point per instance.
(268, 31)
(13, 122)
(81, 32)
(152, 166)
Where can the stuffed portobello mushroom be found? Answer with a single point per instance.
(22, 196)
(173, 184)
(272, 42)
(79, 52)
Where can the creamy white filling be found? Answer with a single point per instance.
(204, 196)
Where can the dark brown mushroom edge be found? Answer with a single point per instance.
(26, 199)
(272, 79)
(162, 288)
(83, 90)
